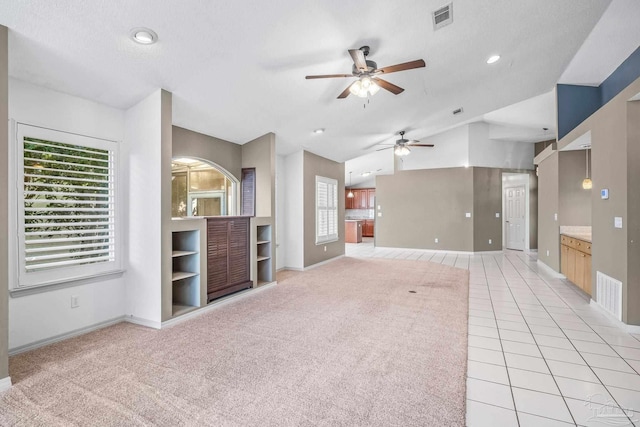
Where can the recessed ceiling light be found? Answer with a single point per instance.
(366, 173)
(493, 59)
(143, 36)
(320, 130)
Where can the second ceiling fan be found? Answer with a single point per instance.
(402, 147)
(368, 73)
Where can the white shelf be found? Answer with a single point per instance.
(176, 254)
(179, 309)
(179, 275)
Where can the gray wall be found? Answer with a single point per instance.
(261, 155)
(614, 142)
(633, 211)
(4, 202)
(315, 165)
(548, 227)
(487, 200)
(188, 143)
(574, 202)
(418, 206)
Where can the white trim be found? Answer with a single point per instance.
(312, 266)
(631, 329)
(550, 270)
(216, 304)
(442, 251)
(5, 384)
(142, 322)
(62, 337)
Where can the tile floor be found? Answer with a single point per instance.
(539, 354)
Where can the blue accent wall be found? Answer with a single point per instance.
(576, 103)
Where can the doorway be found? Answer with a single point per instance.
(515, 211)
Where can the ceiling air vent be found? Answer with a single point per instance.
(443, 16)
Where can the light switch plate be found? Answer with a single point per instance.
(617, 222)
(497, 214)
(468, 214)
(555, 216)
(379, 213)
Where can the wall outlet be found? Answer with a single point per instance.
(547, 252)
(617, 222)
(379, 213)
(468, 214)
(489, 241)
(75, 303)
(555, 216)
(436, 240)
(325, 249)
(497, 214)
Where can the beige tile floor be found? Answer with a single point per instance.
(539, 353)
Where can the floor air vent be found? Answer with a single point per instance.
(609, 294)
(443, 16)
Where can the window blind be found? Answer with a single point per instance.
(326, 210)
(68, 200)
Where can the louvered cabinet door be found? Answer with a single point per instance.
(227, 256)
(217, 254)
(239, 251)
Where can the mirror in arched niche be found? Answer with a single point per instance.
(201, 188)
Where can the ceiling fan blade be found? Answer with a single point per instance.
(419, 63)
(358, 58)
(421, 145)
(388, 86)
(345, 93)
(385, 148)
(328, 76)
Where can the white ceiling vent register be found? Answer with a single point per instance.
(443, 16)
(609, 294)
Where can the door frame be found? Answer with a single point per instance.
(510, 180)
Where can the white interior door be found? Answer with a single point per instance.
(515, 217)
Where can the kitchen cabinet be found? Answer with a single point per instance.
(371, 198)
(367, 228)
(348, 201)
(575, 261)
(363, 198)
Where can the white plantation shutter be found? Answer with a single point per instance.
(326, 210)
(67, 206)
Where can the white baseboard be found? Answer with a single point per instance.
(550, 270)
(61, 337)
(143, 322)
(632, 329)
(443, 251)
(217, 304)
(322, 262)
(5, 384)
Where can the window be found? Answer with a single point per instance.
(67, 204)
(199, 189)
(326, 210)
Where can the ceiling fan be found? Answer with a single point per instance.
(402, 147)
(367, 72)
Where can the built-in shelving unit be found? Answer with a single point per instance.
(185, 277)
(263, 254)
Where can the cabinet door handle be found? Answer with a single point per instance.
(582, 255)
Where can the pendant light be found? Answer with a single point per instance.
(350, 193)
(586, 183)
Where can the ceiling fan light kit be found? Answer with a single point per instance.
(367, 72)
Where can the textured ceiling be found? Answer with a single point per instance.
(236, 69)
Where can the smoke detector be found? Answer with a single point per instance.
(443, 16)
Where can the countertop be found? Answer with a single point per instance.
(577, 232)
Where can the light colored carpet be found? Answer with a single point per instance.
(344, 344)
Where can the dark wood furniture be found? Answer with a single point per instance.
(367, 228)
(227, 256)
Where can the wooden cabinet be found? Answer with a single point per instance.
(371, 198)
(367, 228)
(349, 201)
(353, 231)
(363, 198)
(227, 256)
(575, 261)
